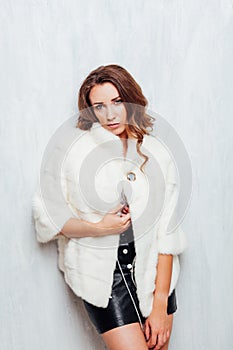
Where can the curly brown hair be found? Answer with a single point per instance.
(130, 93)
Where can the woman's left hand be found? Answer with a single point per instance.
(157, 326)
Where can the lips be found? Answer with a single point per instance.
(113, 125)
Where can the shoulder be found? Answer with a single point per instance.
(78, 148)
(158, 150)
(163, 156)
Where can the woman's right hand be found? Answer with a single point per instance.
(113, 223)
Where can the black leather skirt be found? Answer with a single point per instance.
(123, 307)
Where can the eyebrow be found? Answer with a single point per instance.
(113, 99)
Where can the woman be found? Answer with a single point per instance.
(118, 259)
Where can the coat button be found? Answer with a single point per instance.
(131, 176)
(125, 251)
(129, 266)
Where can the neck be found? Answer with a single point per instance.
(123, 135)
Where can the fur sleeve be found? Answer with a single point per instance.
(51, 210)
(170, 241)
(45, 229)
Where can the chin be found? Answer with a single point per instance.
(121, 133)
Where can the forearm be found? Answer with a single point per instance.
(163, 277)
(110, 224)
(76, 228)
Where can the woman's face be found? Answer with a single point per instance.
(109, 108)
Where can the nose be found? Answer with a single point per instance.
(110, 114)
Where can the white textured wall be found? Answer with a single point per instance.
(181, 52)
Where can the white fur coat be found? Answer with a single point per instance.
(93, 172)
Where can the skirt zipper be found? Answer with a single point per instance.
(140, 321)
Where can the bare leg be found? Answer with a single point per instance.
(130, 337)
(127, 337)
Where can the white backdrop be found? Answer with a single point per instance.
(181, 53)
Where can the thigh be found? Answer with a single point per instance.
(127, 337)
(131, 337)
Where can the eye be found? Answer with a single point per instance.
(98, 107)
(118, 101)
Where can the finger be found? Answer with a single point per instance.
(153, 339)
(125, 218)
(116, 209)
(147, 331)
(125, 227)
(128, 223)
(160, 340)
(123, 214)
(125, 210)
(126, 207)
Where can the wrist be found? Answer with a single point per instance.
(96, 228)
(160, 295)
(160, 298)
